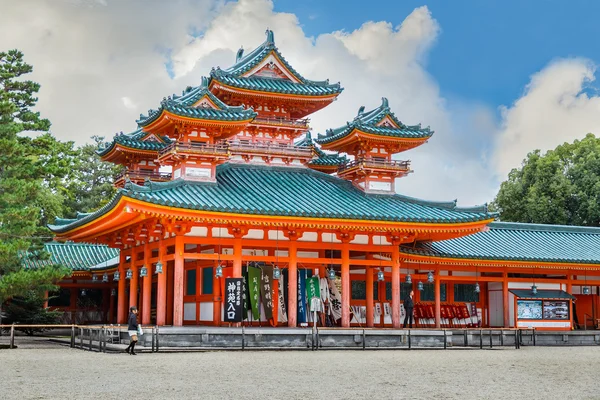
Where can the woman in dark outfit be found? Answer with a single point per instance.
(132, 329)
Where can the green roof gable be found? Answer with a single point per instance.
(76, 256)
(232, 76)
(183, 106)
(520, 242)
(367, 122)
(134, 140)
(286, 191)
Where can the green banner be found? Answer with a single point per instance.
(245, 294)
(312, 288)
(254, 275)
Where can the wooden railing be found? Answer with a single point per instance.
(270, 148)
(196, 148)
(296, 123)
(372, 163)
(84, 336)
(140, 175)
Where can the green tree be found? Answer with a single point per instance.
(29, 310)
(91, 184)
(559, 187)
(29, 178)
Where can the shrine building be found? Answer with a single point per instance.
(226, 178)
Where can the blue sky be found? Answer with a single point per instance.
(487, 49)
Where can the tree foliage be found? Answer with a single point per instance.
(29, 310)
(559, 187)
(31, 173)
(91, 184)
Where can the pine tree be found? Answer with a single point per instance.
(91, 184)
(30, 181)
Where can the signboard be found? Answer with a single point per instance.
(556, 309)
(198, 172)
(233, 299)
(529, 309)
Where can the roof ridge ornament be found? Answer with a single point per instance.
(240, 54)
(270, 37)
(361, 110)
(384, 102)
(204, 82)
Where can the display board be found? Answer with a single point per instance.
(556, 309)
(529, 309)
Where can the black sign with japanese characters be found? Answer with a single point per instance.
(233, 299)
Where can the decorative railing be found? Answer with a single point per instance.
(296, 123)
(142, 175)
(195, 148)
(372, 163)
(269, 148)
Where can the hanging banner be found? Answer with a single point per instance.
(312, 288)
(302, 296)
(282, 314)
(233, 299)
(324, 290)
(266, 290)
(254, 275)
(245, 293)
(335, 300)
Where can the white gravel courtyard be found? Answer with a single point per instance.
(58, 372)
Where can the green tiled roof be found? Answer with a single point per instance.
(286, 191)
(76, 256)
(520, 242)
(367, 122)
(541, 294)
(183, 106)
(321, 158)
(232, 76)
(274, 85)
(134, 140)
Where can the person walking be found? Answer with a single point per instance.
(409, 306)
(132, 329)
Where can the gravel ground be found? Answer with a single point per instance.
(40, 370)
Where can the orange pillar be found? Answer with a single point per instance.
(345, 284)
(147, 285)
(369, 283)
(161, 287)
(216, 300)
(178, 282)
(395, 287)
(292, 307)
(121, 301)
(438, 301)
(505, 300)
(133, 284)
(170, 294)
(237, 257)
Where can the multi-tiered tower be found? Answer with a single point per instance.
(249, 113)
(372, 138)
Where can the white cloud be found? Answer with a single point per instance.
(128, 103)
(101, 63)
(89, 55)
(554, 109)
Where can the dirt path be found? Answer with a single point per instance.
(541, 372)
